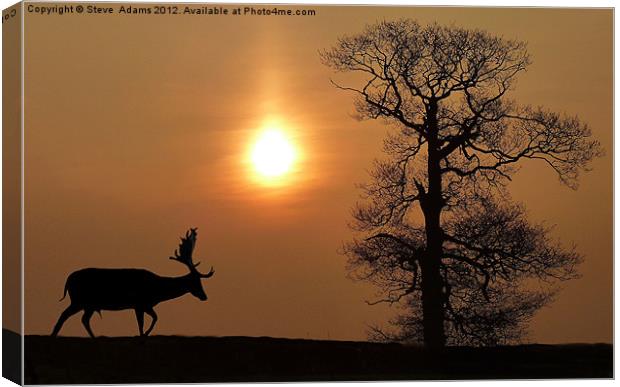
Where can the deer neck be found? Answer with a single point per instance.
(173, 287)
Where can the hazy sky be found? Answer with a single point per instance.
(138, 127)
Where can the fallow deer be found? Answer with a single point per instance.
(93, 290)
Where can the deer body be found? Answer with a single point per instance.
(93, 290)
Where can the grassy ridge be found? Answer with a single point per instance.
(162, 359)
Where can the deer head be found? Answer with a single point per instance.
(184, 255)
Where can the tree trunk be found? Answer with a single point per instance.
(432, 283)
(432, 286)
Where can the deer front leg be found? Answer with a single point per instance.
(153, 315)
(140, 319)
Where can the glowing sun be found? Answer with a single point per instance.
(272, 154)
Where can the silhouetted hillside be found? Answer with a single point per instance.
(241, 359)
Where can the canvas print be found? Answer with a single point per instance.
(198, 193)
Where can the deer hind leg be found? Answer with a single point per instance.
(86, 321)
(70, 311)
(153, 315)
(140, 319)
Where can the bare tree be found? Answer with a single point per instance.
(457, 143)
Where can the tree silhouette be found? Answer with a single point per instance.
(469, 262)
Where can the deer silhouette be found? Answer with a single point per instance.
(93, 290)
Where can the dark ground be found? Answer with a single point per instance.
(168, 359)
(11, 356)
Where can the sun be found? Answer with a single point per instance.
(272, 154)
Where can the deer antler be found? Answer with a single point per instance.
(209, 274)
(184, 253)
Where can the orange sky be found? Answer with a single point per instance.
(137, 127)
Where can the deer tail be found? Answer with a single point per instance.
(65, 293)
